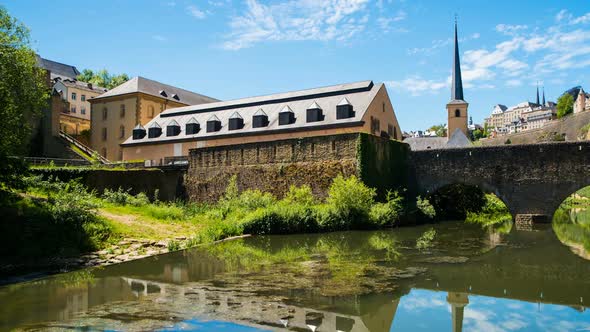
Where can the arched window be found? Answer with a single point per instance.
(122, 112)
(457, 113)
(150, 111)
(122, 131)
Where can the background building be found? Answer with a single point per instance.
(75, 116)
(346, 108)
(115, 113)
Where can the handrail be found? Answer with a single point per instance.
(84, 147)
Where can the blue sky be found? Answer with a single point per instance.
(237, 48)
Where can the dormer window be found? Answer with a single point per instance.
(192, 127)
(286, 116)
(155, 130)
(175, 96)
(139, 132)
(173, 128)
(213, 124)
(163, 93)
(314, 113)
(236, 121)
(259, 119)
(344, 109)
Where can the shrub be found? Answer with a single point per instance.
(283, 218)
(299, 195)
(173, 245)
(425, 207)
(140, 199)
(119, 197)
(387, 213)
(253, 199)
(350, 200)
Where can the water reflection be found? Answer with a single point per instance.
(353, 281)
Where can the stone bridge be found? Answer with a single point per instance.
(532, 180)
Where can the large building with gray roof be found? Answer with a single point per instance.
(345, 108)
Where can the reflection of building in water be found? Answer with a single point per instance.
(458, 301)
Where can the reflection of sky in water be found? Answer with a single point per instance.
(423, 310)
(213, 325)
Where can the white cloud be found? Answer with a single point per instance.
(296, 20)
(513, 83)
(195, 12)
(582, 19)
(417, 86)
(386, 23)
(508, 29)
(566, 17)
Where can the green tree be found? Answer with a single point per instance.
(102, 78)
(565, 105)
(440, 130)
(23, 91)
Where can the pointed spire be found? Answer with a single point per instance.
(538, 93)
(457, 88)
(543, 95)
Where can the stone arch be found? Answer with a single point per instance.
(562, 195)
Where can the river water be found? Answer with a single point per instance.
(465, 278)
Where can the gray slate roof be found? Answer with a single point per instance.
(360, 95)
(82, 85)
(151, 87)
(457, 140)
(58, 69)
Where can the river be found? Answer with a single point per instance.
(464, 278)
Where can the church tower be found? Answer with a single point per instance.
(457, 107)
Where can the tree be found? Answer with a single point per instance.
(24, 88)
(565, 105)
(102, 78)
(440, 130)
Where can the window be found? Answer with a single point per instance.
(73, 96)
(104, 134)
(82, 110)
(104, 113)
(83, 97)
(122, 111)
(383, 107)
(122, 131)
(375, 125)
(457, 113)
(150, 111)
(73, 109)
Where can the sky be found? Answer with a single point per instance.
(230, 49)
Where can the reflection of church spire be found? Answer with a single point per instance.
(458, 301)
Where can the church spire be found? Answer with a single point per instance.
(543, 95)
(538, 93)
(457, 88)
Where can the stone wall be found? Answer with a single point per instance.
(169, 183)
(272, 166)
(570, 126)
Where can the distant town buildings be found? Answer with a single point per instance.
(521, 117)
(581, 100)
(75, 112)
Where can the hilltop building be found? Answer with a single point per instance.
(75, 112)
(457, 128)
(135, 102)
(521, 117)
(581, 101)
(345, 108)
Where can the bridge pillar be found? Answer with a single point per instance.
(526, 221)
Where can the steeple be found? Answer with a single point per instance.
(543, 95)
(457, 88)
(537, 93)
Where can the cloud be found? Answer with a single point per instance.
(417, 86)
(436, 44)
(296, 20)
(513, 83)
(582, 19)
(195, 12)
(508, 29)
(386, 23)
(566, 17)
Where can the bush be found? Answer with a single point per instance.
(425, 207)
(119, 197)
(253, 199)
(300, 195)
(283, 218)
(388, 213)
(350, 200)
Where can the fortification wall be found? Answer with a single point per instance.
(315, 161)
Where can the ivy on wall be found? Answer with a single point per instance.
(382, 163)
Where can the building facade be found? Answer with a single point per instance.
(76, 117)
(581, 101)
(347, 108)
(115, 113)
